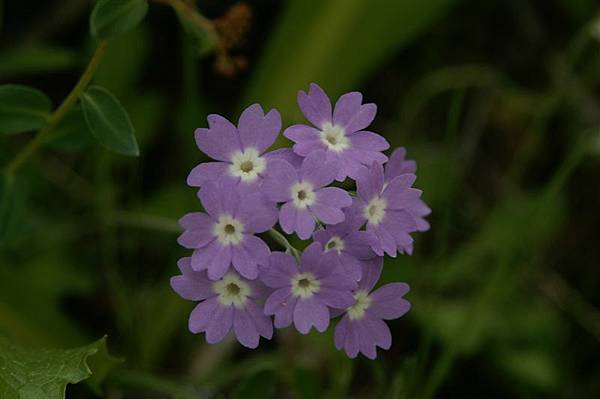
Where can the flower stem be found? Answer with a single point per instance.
(58, 115)
(281, 240)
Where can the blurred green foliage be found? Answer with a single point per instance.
(497, 101)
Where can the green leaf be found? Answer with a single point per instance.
(101, 364)
(27, 373)
(72, 133)
(114, 17)
(108, 121)
(22, 109)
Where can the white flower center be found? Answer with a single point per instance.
(334, 137)
(303, 195)
(228, 230)
(375, 210)
(362, 303)
(336, 243)
(247, 165)
(305, 285)
(231, 290)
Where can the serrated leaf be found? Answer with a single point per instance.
(22, 109)
(114, 17)
(108, 121)
(44, 374)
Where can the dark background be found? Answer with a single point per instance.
(497, 101)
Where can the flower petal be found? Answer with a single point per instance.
(282, 267)
(243, 262)
(257, 249)
(398, 165)
(316, 172)
(305, 223)
(258, 130)
(192, 285)
(207, 171)
(285, 154)
(279, 178)
(220, 324)
(245, 330)
(387, 302)
(334, 197)
(285, 313)
(339, 335)
(257, 213)
(349, 340)
(262, 322)
(339, 299)
(351, 114)
(202, 315)
(220, 140)
(287, 217)
(371, 271)
(278, 299)
(369, 182)
(315, 105)
(370, 141)
(311, 312)
(219, 197)
(327, 214)
(215, 257)
(302, 134)
(198, 231)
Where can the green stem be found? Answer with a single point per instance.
(60, 112)
(280, 238)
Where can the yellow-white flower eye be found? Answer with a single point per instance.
(232, 291)
(375, 210)
(357, 311)
(247, 165)
(335, 243)
(305, 285)
(334, 137)
(303, 195)
(229, 231)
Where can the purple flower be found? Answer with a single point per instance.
(340, 133)
(362, 328)
(399, 165)
(239, 150)
(225, 235)
(225, 304)
(303, 293)
(287, 154)
(305, 194)
(345, 246)
(385, 208)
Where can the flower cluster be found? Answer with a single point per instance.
(242, 285)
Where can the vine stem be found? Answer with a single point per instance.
(280, 238)
(57, 116)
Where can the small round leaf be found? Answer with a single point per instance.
(108, 121)
(22, 109)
